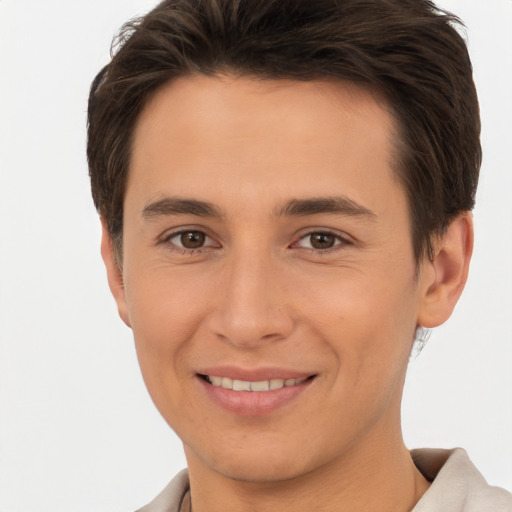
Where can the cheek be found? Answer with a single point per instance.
(165, 311)
(164, 319)
(369, 322)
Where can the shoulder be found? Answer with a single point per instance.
(169, 500)
(456, 484)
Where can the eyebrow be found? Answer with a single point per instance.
(340, 205)
(179, 206)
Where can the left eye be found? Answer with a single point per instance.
(191, 239)
(319, 241)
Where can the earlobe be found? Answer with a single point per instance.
(447, 272)
(114, 273)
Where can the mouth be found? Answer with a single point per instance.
(246, 385)
(257, 397)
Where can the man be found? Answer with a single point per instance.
(285, 191)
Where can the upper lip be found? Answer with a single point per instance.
(254, 374)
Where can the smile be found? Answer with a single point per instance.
(245, 385)
(254, 392)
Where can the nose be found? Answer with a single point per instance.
(252, 303)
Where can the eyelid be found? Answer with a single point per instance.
(167, 237)
(343, 239)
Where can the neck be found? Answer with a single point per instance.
(379, 478)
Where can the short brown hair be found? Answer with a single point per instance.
(407, 49)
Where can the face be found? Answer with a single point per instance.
(267, 248)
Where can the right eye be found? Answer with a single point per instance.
(190, 240)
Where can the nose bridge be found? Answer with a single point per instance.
(250, 308)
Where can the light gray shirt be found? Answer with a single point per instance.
(457, 486)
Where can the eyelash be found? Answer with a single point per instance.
(340, 242)
(184, 250)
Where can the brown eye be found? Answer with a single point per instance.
(322, 240)
(192, 239)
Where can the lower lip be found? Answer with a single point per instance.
(253, 403)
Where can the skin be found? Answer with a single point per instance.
(259, 294)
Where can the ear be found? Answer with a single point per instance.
(446, 274)
(114, 273)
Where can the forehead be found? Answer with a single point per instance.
(228, 134)
(252, 105)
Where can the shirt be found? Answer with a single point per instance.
(457, 486)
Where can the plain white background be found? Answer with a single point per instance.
(77, 429)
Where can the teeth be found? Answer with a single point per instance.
(227, 383)
(276, 383)
(263, 385)
(244, 385)
(241, 385)
(216, 381)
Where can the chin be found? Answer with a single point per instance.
(261, 472)
(256, 465)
